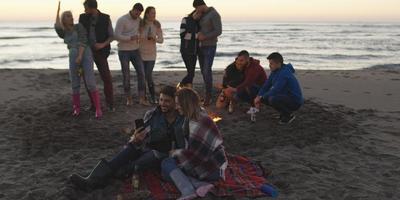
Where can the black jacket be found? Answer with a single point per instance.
(103, 22)
(189, 25)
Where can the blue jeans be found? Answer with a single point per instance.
(206, 59)
(284, 104)
(169, 164)
(88, 72)
(132, 56)
(190, 64)
(148, 72)
(248, 94)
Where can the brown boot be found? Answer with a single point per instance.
(143, 101)
(129, 101)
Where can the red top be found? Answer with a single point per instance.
(254, 74)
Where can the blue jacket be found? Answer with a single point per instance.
(282, 82)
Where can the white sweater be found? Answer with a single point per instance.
(125, 28)
(148, 49)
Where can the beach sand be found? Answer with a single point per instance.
(344, 143)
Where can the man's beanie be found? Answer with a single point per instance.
(138, 6)
(198, 3)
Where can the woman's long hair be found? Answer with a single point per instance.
(63, 15)
(189, 101)
(143, 22)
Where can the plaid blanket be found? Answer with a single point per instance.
(205, 153)
(243, 178)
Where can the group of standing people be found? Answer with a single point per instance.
(89, 42)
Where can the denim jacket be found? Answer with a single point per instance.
(161, 137)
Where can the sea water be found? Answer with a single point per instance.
(316, 46)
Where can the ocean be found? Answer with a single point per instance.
(314, 46)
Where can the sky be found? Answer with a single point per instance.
(230, 10)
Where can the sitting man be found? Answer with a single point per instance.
(243, 79)
(147, 147)
(282, 90)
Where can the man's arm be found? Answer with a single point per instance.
(110, 33)
(119, 27)
(217, 27)
(276, 87)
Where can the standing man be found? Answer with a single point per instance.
(127, 34)
(100, 35)
(210, 29)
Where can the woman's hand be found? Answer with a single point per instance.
(58, 22)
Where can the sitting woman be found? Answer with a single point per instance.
(80, 59)
(203, 159)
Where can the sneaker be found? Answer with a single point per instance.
(287, 120)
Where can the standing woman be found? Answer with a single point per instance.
(189, 46)
(203, 159)
(80, 59)
(151, 33)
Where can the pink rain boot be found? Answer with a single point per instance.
(76, 104)
(96, 99)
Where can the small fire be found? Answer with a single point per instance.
(214, 117)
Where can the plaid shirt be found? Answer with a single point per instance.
(204, 153)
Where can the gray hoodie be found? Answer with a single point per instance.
(211, 27)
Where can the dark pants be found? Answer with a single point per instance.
(100, 58)
(190, 64)
(142, 159)
(206, 59)
(148, 73)
(248, 94)
(132, 56)
(285, 105)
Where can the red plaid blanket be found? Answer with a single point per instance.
(243, 179)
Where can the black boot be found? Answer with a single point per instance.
(97, 178)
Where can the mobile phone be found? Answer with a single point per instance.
(139, 123)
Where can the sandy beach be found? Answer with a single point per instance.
(344, 143)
